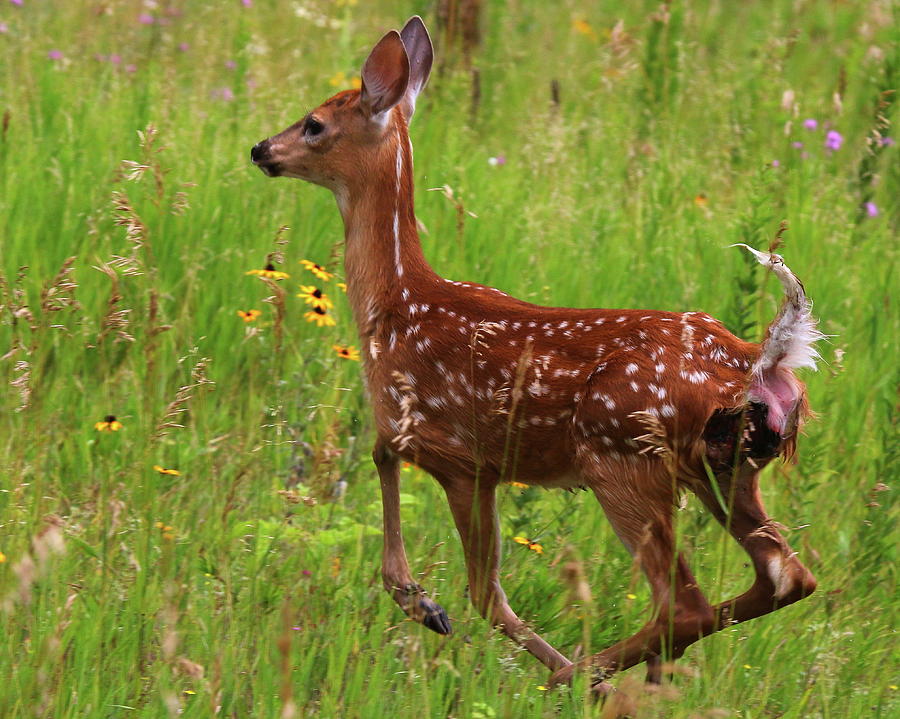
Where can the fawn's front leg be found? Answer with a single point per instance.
(395, 571)
(474, 509)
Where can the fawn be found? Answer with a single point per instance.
(477, 388)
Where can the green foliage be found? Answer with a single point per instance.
(251, 579)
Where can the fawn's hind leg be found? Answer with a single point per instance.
(640, 510)
(781, 579)
(395, 571)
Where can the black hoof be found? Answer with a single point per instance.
(434, 617)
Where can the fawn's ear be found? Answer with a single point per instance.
(385, 76)
(421, 54)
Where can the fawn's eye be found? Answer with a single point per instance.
(314, 127)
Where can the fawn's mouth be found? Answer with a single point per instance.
(272, 169)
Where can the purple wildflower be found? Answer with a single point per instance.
(146, 18)
(797, 145)
(887, 142)
(131, 67)
(115, 59)
(871, 209)
(247, 3)
(230, 64)
(183, 47)
(55, 55)
(834, 140)
(811, 123)
(776, 163)
(498, 160)
(4, 27)
(17, 3)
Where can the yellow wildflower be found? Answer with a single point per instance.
(109, 424)
(163, 470)
(583, 27)
(249, 315)
(312, 295)
(350, 353)
(317, 270)
(269, 272)
(320, 317)
(533, 546)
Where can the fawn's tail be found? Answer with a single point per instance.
(788, 345)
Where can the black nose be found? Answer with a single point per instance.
(260, 151)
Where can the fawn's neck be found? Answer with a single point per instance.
(383, 259)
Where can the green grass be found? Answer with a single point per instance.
(124, 592)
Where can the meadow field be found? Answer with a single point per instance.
(189, 515)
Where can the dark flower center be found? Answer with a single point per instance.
(318, 310)
(109, 418)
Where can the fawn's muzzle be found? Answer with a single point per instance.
(260, 156)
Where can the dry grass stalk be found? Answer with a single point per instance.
(325, 479)
(136, 233)
(276, 256)
(147, 139)
(171, 418)
(778, 240)
(22, 384)
(59, 294)
(522, 365)
(154, 328)
(277, 300)
(655, 440)
(49, 541)
(14, 299)
(408, 419)
(115, 320)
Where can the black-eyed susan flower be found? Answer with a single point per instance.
(583, 27)
(167, 530)
(269, 272)
(109, 424)
(320, 317)
(249, 315)
(317, 270)
(701, 200)
(312, 295)
(533, 546)
(350, 353)
(163, 470)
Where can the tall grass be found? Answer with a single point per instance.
(639, 141)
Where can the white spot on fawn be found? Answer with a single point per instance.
(780, 578)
